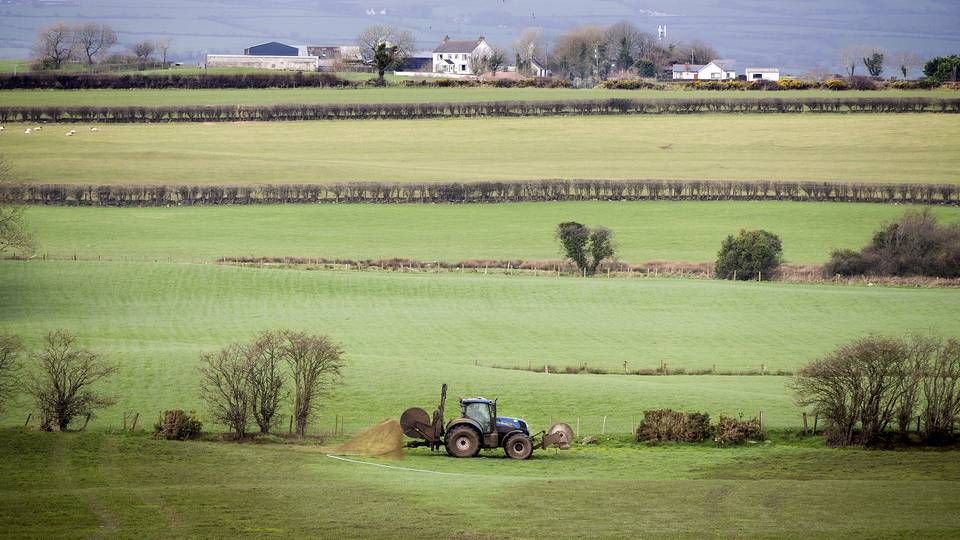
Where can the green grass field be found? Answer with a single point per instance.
(93, 484)
(406, 333)
(869, 148)
(645, 231)
(153, 98)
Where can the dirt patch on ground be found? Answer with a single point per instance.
(384, 440)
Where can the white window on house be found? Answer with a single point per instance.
(714, 75)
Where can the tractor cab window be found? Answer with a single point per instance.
(481, 413)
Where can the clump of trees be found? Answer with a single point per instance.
(62, 381)
(943, 68)
(385, 48)
(875, 387)
(587, 247)
(592, 53)
(914, 245)
(750, 255)
(252, 380)
(61, 42)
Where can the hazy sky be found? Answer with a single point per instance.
(795, 35)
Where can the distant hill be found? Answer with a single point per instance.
(794, 35)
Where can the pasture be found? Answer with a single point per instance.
(275, 96)
(645, 231)
(86, 484)
(867, 148)
(406, 333)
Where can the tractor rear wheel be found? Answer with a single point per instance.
(518, 447)
(463, 441)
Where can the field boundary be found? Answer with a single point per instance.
(407, 111)
(554, 190)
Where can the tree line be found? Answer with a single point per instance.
(478, 192)
(185, 81)
(89, 43)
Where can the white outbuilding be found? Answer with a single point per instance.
(764, 74)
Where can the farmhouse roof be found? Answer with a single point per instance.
(450, 46)
(764, 70)
(725, 64)
(687, 68)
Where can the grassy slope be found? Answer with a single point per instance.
(77, 485)
(395, 95)
(677, 231)
(872, 148)
(405, 334)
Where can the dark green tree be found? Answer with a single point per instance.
(749, 255)
(646, 67)
(942, 68)
(874, 63)
(586, 247)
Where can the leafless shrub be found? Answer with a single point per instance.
(730, 431)
(177, 425)
(63, 380)
(941, 392)
(11, 347)
(669, 425)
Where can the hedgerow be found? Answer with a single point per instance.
(479, 192)
(612, 106)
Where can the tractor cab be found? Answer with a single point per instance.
(483, 411)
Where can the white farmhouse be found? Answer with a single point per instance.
(453, 57)
(715, 70)
(766, 74)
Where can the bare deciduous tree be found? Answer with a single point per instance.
(224, 377)
(582, 53)
(904, 61)
(13, 231)
(143, 51)
(941, 392)
(385, 48)
(10, 349)
(93, 40)
(63, 380)
(265, 377)
(54, 46)
(163, 45)
(696, 52)
(625, 41)
(315, 364)
(487, 63)
(852, 56)
(529, 46)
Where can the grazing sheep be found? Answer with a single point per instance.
(38, 128)
(69, 134)
(94, 129)
(28, 131)
(1, 128)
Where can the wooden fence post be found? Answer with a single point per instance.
(804, 423)
(816, 416)
(25, 424)
(578, 426)
(603, 430)
(87, 421)
(134, 426)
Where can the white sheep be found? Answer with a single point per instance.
(38, 128)
(28, 131)
(69, 134)
(94, 129)
(1, 128)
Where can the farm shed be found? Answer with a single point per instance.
(767, 74)
(289, 63)
(272, 48)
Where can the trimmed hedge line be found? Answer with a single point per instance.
(481, 192)
(87, 81)
(614, 106)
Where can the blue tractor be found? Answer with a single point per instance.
(477, 428)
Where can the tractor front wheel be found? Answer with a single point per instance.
(518, 447)
(463, 441)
